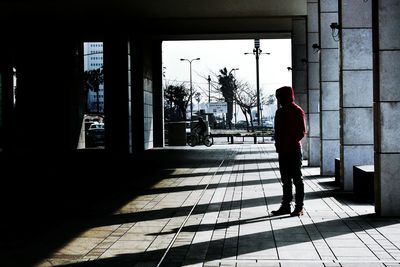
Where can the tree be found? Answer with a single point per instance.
(270, 100)
(92, 81)
(228, 89)
(177, 98)
(270, 103)
(246, 97)
(197, 96)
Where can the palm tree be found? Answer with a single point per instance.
(228, 88)
(93, 79)
(197, 96)
(178, 96)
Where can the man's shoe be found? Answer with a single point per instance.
(297, 212)
(281, 211)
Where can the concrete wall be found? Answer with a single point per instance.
(329, 84)
(148, 94)
(148, 113)
(299, 69)
(313, 85)
(116, 93)
(356, 135)
(387, 106)
(49, 106)
(158, 95)
(6, 97)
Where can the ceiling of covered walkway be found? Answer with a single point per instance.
(270, 17)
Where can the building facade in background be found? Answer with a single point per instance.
(93, 59)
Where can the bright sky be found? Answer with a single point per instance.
(217, 54)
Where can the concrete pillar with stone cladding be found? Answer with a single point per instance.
(299, 69)
(313, 85)
(356, 115)
(116, 105)
(386, 21)
(329, 84)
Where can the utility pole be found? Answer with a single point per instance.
(191, 86)
(234, 79)
(257, 52)
(209, 89)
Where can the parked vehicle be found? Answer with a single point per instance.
(242, 124)
(95, 134)
(268, 124)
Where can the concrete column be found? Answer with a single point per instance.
(116, 89)
(36, 107)
(313, 84)
(356, 116)
(329, 82)
(142, 94)
(158, 95)
(148, 97)
(386, 35)
(130, 125)
(299, 69)
(6, 97)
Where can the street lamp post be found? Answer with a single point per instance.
(257, 52)
(209, 89)
(191, 87)
(234, 69)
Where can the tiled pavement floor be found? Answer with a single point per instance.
(219, 215)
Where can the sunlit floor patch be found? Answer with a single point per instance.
(220, 216)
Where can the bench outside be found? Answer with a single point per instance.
(231, 137)
(363, 182)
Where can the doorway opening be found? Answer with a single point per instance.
(229, 83)
(93, 125)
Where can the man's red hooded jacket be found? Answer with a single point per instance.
(290, 126)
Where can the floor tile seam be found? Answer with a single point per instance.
(274, 238)
(274, 165)
(307, 181)
(105, 250)
(233, 179)
(199, 183)
(376, 241)
(312, 239)
(327, 261)
(103, 241)
(169, 220)
(234, 210)
(322, 238)
(238, 175)
(345, 207)
(189, 214)
(344, 221)
(264, 186)
(231, 172)
(307, 168)
(179, 180)
(219, 212)
(322, 190)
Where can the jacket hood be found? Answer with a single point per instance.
(285, 95)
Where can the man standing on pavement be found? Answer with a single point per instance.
(289, 130)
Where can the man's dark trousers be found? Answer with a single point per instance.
(290, 169)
